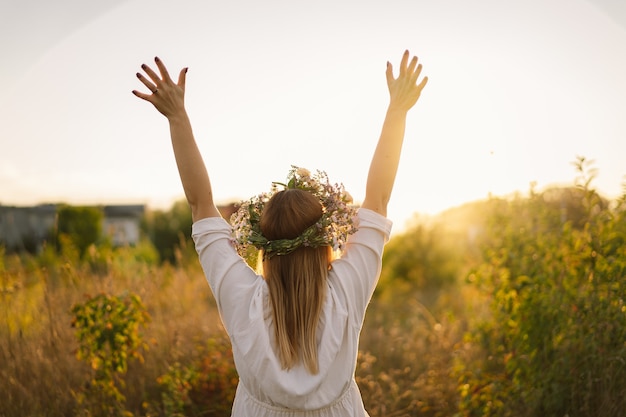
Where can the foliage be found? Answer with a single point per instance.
(169, 230)
(205, 387)
(41, 374)
(177, 384)
(81, 225)
(420, 259)
(107, 329)
(555, 343)
(104, 257)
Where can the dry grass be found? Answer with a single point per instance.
(39, 369)
(408, 342)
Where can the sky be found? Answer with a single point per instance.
(517, 90)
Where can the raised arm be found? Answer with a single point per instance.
(403, 94)
(169, 99)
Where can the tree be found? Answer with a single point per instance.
(169, 230)
(81, 225)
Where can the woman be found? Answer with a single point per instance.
(294, 326)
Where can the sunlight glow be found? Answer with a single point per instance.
(516, 92)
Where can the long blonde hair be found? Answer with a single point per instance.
(297, 281)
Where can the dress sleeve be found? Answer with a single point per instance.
(232, 281)
(358, 269)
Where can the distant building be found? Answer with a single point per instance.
(29, 228)
(26, 228)
(122, 224)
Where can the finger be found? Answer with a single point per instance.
(422, 84)
(147, 83)
(153, 75)
(182, 78)
(412, 65)
(389, 73)
(165, 76)
(142, 95)
(405, 59)
(416, 74)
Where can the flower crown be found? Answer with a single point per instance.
(332, 229)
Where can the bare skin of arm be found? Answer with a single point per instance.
(169, 99)
(404, 91)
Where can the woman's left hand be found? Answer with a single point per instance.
(168, 97)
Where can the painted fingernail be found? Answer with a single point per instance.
(186, 69)
(143, 66)
(138, 75)
(156, 59)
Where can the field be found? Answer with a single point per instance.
(499, 308)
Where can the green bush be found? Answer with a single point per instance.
(81, 225)
(421, 258)
(107, 328)
(555, 342)
(169, 230)
(205, 387)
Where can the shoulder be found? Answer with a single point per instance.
(370, 219)
(373, 231)
(356, 272)
(208, 230)
(209, 224)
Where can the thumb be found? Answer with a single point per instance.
(389, 73)
(182, 77)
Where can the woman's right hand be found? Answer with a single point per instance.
(168, 97)
(404, 90)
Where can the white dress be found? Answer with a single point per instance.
(265, 389)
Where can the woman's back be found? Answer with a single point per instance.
(244, 302)
(296, 281)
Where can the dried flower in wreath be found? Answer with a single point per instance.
(332, 229)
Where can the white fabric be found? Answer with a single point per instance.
(265, 389)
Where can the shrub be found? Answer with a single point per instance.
(81, 225)
(107, 328)
(169, 230)
(206, 387)
(555, 342)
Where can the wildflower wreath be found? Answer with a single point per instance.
(332, 229)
